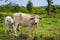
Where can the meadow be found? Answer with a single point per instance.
(48, 29)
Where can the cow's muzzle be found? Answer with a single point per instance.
(35, 23)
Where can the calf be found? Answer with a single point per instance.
(9, 23)
(25, 20)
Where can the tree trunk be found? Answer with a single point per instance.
(48, 8)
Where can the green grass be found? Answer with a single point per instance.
(48, 29)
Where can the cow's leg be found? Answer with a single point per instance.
(6, 25)
(18, 29)
(11, 28)
(30, 30)
(14, 31)
(35, 28)
(15, 27)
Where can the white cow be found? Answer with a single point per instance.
(25, 20)
(9, 23)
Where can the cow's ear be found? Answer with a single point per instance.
(40, 18)
(31, 18)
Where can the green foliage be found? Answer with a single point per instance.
(57, 8)
(23, 9)
(16, 8)
(37, 10)
(53, 9)
(10, 8)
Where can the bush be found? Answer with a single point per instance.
(38, 11)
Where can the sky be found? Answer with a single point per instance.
(35, 2)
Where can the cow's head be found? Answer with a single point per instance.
(35, 18)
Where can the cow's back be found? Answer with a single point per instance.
(22, 18)
(25, 19)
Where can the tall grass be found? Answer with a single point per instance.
(48, 29)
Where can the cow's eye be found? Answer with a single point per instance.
(31, 18)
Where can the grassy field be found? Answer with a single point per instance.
(48, 29)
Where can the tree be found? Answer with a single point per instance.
(49, 7)
(29, 6)
(16, 8)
